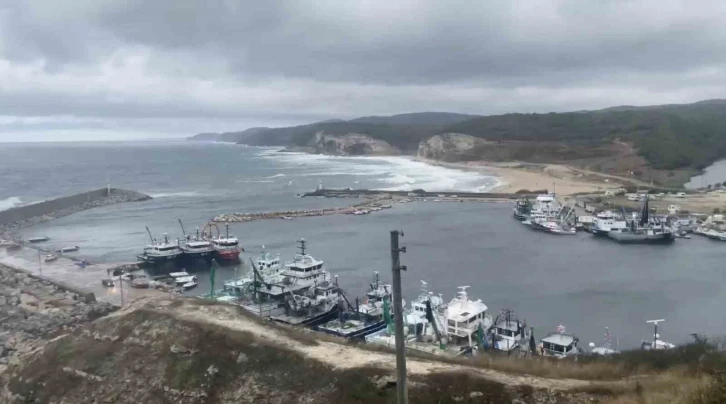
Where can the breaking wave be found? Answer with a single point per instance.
(386, 173)
(11, 202)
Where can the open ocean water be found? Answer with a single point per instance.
(581, 282)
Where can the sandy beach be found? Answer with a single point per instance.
(516, 176)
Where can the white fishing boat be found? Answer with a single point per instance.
(559, 344)
(196, 247)
(160, 252)
(459, 327)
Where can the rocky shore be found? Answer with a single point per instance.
(33, 311)
(44, 211)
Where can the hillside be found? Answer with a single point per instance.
(181, 350)
(619, 140)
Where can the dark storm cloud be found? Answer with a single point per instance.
(296, 61)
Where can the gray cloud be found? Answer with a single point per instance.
(217, 61)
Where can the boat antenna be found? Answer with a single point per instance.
(302, 246)
(149, 232)
(655, 331)
(227, 227)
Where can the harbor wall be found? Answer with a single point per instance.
(47, 210)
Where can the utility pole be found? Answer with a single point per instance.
(396, 268)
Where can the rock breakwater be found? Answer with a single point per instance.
(367, 206)
(25, 216)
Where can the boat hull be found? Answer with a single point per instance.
(227, 255)
(320, 318)
(642, 238)
(157, 259)
(198, 255)
(359, 333)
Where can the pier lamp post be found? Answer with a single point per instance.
(396, 268)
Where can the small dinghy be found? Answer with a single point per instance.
(50, 258)
(69, 249)
(107, 283)
(189, 285)
(38, 239)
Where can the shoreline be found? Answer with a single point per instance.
(520, 176)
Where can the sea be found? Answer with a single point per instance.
(581, 282)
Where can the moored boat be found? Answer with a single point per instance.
(69, 249)
(38, 239)
(226, 246)
(160, 252)
(50, 258)
(559, 344)
(195, 247)
(365, 318)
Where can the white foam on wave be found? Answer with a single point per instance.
(11, 202)
(396, 173)
(188, 194)
(275, 176)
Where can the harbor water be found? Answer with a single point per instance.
(582, 282)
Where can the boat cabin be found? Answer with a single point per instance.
(559, 345)
(508, 332)
(464, 316)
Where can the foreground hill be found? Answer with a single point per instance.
(180, 350)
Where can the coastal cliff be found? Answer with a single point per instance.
(351, 144)
(450, 147)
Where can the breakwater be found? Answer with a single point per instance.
(48, 210)
(357, 193)
(367, 206)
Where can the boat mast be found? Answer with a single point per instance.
(184, 232)
(149, 232)
(302, 246)
(655, 332)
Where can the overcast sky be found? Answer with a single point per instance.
(108, 69)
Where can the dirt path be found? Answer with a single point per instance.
(333, 354)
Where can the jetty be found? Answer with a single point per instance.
(29, 215)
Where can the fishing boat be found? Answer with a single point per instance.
(69, 249)
(160, 252)
(226, 247)
(640, 229)
(453, 329)
(38, 239)
(559, 344)
(507, 332)
(302, 293)
(560, 223)
(365, 318)
(50, 258)
(712, 233)
(195, 247)
(522, 209)
(601, 226)
(544, 206)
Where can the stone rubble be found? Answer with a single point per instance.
(32, 311)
